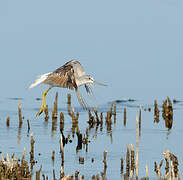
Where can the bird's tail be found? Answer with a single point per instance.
(39, 80)
(81, 100)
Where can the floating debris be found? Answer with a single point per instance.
(124, 101)
(176, 101)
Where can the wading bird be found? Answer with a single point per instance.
(71, 75)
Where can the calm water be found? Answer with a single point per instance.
(133, 46)
(155, 138)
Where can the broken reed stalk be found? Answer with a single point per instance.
(105, 161)
(23, 156)
(76, 175)
(32, 149)
(121, 165)
(132, 157)
(54, 177)
(156, 112)
(147, 172)
(20, 113)
(62, 149)
(174, 164)
(38, 173)
(8, 121)
(140, 116)
(137, 147)
(53, 156)
(131, 175)
(61, 121)
(96, 114)
(62, 174)
(69, 104)
(114, 113)
(54, 110)
(128, 161)
(124, 117)
(28, 126)
(46, 113)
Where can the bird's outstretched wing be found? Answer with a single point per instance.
(63, 77)
(77, 67)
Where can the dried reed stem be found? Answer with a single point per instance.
(20, 113)
(147, 172)
(8, 121)
(124, 119)
(137, 147)
(62, 149)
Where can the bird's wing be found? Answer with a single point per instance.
(78, 69)
(63, 77)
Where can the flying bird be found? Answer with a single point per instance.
(71, 75)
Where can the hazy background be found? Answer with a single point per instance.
(133, 46)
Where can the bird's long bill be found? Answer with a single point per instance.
(101, 84)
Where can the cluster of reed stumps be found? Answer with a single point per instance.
(19, 168)
(167, 112)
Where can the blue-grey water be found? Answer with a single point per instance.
(135, 47)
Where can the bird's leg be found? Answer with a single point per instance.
(43, 105)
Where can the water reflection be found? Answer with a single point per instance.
(101, 121)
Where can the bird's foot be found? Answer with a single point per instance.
(42, 109)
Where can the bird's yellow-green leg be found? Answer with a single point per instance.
(43, 105)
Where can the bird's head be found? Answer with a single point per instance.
(90, 79)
